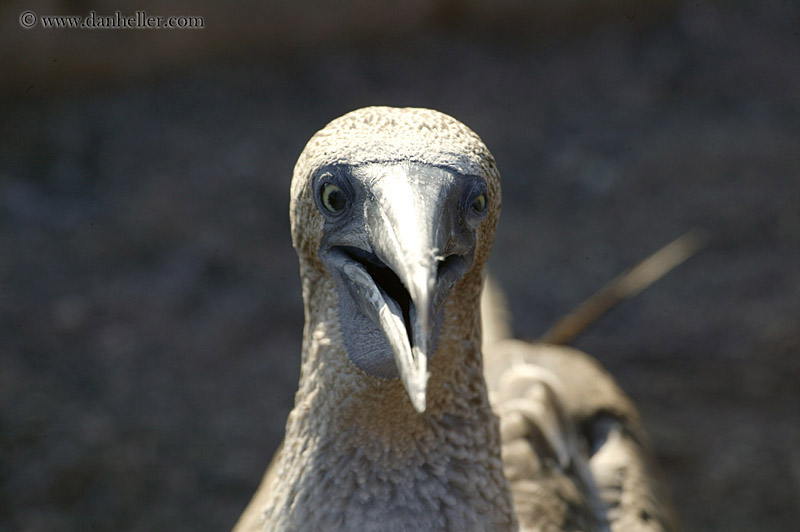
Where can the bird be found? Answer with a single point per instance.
(407, 416)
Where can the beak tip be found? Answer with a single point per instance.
(419, 401)
(417, 389)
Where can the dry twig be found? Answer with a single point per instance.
(626, 285)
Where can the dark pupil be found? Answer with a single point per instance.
(479, 203)
(336, 200)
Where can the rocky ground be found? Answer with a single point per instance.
(150, 312)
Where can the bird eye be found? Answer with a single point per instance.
(333, 198)
(479, 203)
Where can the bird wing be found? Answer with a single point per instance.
(252, 519)
(574, 449)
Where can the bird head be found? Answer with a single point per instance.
(396, 207)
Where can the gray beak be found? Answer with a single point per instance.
(409, 233)
(409, 227)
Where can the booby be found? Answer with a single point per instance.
(393, 213)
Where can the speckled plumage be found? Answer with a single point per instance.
(357, 455)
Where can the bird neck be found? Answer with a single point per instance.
(372, 409)
(352, 437)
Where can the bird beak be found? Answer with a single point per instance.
(408, 229)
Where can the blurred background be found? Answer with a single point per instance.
(150, 311)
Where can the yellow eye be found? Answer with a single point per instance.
(333, 198)
(479, 204)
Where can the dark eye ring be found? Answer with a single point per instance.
(333, 198)
(479, 203)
